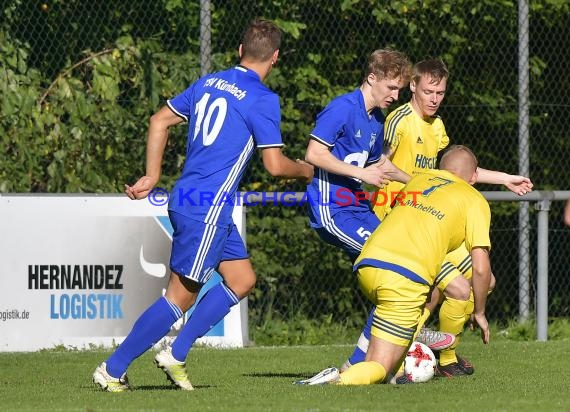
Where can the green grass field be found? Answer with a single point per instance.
(510, 376)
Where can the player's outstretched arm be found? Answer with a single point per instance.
(472, 324)
(156, 142)
(388, 151)
(520, 185)
(391, 171)
(480, 283)
(279, 165)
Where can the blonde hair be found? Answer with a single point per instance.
(435, 68)
(388, 64)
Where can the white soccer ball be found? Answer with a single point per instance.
(419, 364)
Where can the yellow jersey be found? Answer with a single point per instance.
(438, 213)
(414, 143)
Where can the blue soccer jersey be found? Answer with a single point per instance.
(354, 137)
(229, 114)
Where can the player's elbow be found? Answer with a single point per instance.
(274, 161)
(309, 157)
(492, 283)
(158, 119)
(274, 166)
(274, 170)
(154, 122)
(483, 273)
(313, 156)
(163, 119)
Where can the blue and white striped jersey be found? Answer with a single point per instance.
(229, 113)
(353, 136)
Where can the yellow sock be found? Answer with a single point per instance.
(363, 373)
(452, 315)
(448, 356)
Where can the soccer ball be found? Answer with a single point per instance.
(419, 364)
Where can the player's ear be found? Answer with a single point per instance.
(274, 57)
(371, 78)
(473, 178)
(412, 86)
(240, 50)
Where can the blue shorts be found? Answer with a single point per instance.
(349, 230)
(198, 247)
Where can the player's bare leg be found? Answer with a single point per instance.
(182, 291)
(238, 276)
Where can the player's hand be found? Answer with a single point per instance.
(141, 188)
(519, 185)
(374, 175)
(310, 170)
(391, 171)
(481, 321)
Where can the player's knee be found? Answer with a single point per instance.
(459, 288)
(182, 291)
(242, 285)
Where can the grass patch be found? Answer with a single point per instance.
(510, 375)
(303, 331)
(526, 331)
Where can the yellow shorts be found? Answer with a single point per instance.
(381, 210)
(399, 303)
(456, 263)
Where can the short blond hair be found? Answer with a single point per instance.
(388, 64)
(434, 68)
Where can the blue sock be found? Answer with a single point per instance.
(150, 327)
(359, 353)
(211, 309)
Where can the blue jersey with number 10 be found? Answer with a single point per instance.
(229, 113)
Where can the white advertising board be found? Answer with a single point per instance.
(79, 270)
